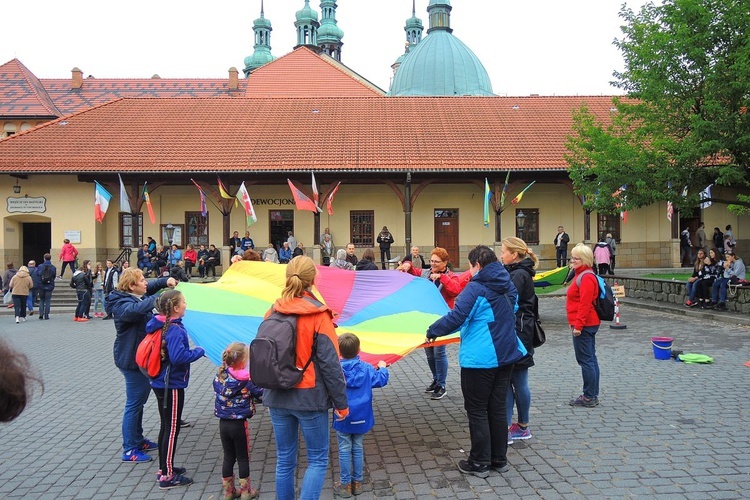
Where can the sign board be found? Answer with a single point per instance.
(27, 204)
(73, 236)
(618, 291)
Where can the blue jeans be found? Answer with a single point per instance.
(692, 289)
(316, 432)
(84, 302)
(30, 301)
(98, 299)
(719, 292)
(519, 392)
(437, 360)
(137, 389)
(45, 298)
(351, 456)
(585, 349)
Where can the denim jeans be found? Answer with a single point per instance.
(99, 299)
(485, 391)
(519, 392)
(584, 346)
(437, 360)
(84, 302)
(719, 293)
(137, 389)
(692, 289)
(45, 298)
(351, 456)
(561, 256)
(31, 299)
(316, 433)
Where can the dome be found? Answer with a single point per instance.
(307, 13)
(441, 65)
(438, 2)
(329, 30)
(262, 22)
(258, 59)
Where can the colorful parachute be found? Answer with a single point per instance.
(389, 311)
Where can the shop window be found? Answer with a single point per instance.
(527, 225)
(607, 223)
(362, 228)
(197, 228)
(126, 231)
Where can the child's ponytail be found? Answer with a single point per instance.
(236, 351)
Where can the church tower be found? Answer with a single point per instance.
(307, 27)
(440, 15)
(413, 29)
(262, 55)
(329, 34)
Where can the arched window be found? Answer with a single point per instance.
(9, 129)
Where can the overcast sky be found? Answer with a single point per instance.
(546, 47)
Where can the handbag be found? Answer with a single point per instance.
(539, 336)
(8, 297)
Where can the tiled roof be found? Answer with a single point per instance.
(436, 134)
(303, 73)
(96, 91)
(21, 93)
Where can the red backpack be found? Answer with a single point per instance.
(148, 354)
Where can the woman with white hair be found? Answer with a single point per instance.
(584, 322)
(340, 262)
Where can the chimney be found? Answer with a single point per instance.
(233, 79)
(77, 78)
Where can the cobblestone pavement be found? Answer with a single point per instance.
(663, 428)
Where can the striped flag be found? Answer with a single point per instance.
(670, 211)
(517, 199)
(505, 190)
(244, 199)
(223, 190)
(487, 196)
(316, 196)
(124, 199)
(147, 199)
(202, 194)
(329, 200)
(101, 201)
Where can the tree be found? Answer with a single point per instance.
(684, 121)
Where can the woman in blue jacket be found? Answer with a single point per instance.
(484, 312)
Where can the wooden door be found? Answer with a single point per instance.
(446, 233)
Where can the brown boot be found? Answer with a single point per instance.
(342, 490)
(356, 487)
(228, 491)
(246, 492)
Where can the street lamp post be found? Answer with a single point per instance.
(521, 223)
(170, 238)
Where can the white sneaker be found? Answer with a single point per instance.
(23, 320)
(17, 320)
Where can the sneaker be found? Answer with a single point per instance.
(31, 313)
(147, 445)
(185, 423)
(721, 306)
(584, 401)
(510, 441)
(469, 467)
(438, 393)
(23, 320)
(18, 320)
(82, 320)
(342, 490)
(709, 305)
(516, 433)
(691, 303)
(176, 470)
(176, 480)
(499, 467)
(135, 456)
(432, 387)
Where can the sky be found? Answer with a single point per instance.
(545, 47)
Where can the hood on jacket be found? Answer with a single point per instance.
(495, 277)
(354, 373)
(298, 306)
(22, 273)
(155, 323)
(526, 264)
(602, 244)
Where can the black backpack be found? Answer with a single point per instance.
(273, 352)
(605, 300)
(48, 275)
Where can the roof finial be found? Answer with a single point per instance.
(413, 8)
(261, 8)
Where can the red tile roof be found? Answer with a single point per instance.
(303, 73)
(22, 94)
(437, 134)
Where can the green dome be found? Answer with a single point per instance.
(438, 2)
(329, 31)
(441, 65)
(262, 22)
(258, 59)
(307, 13)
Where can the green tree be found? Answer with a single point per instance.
(684, 120)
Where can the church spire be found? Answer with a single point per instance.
(307, 26)
(413, 29)
(440, 15)
(262, 55)
(329, 34)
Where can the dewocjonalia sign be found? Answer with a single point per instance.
(27, 204)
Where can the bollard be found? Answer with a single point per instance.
(617, 325)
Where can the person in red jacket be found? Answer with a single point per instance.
(68, 255)
(584, 323)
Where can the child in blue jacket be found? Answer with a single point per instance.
(169, 386)
(234, 405)
(361, 378)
